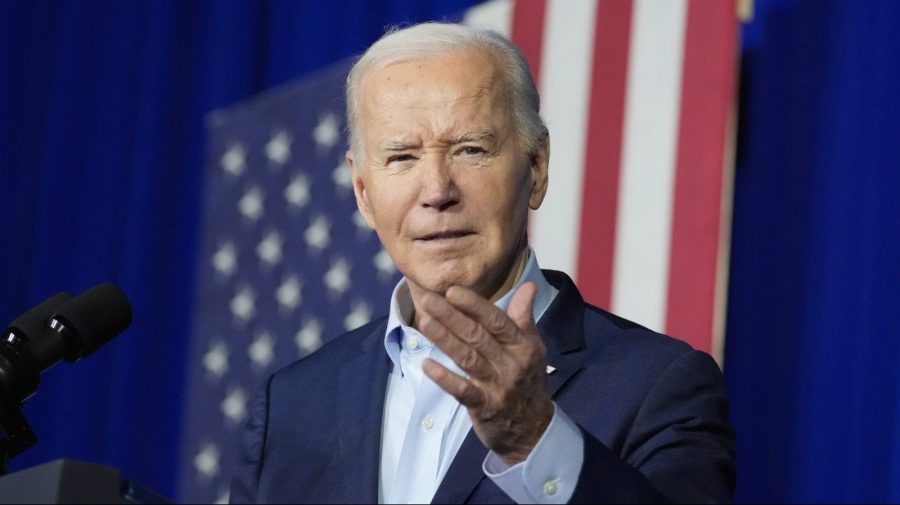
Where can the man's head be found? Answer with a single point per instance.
(427, 40)
(448, 153)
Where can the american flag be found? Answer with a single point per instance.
(287, 262)
(638, 96)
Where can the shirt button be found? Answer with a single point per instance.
(427, 423)
(412, 343)
(550, 488)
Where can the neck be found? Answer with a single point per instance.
(513, 276)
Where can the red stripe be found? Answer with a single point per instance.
(612, 34)
(706, 100)
(528, 32)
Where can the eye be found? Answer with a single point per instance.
(399, 158)
(471, 151)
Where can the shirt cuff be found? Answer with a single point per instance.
(550, 472)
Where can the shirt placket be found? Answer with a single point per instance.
(419, 461)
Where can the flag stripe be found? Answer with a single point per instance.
(565, 74)
(604, 151)
(528, 32)
(643, 231)
(705, 104)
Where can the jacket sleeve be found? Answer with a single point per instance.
(245, 482)
(679, 449)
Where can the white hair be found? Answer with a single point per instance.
(426, 40)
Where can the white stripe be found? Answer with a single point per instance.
(643, 230)
(495, 15)
(565, 85)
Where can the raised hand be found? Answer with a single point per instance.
(505, 360)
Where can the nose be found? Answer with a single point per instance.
(438, 187)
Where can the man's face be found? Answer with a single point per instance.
(442, 177)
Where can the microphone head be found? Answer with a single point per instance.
(94, 317)
(32, 324)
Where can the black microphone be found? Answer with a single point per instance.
(90, 320)
(61, 327)
(20, 371)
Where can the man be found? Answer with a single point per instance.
(489, 380)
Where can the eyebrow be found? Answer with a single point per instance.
(486, 135)
(398, 145)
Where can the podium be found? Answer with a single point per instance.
(70, 481)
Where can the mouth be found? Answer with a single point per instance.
(445, 236)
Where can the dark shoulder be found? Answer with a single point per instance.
(638, 355)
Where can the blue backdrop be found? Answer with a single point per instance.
(813, 335)
(101, 145)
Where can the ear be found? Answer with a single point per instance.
(359, 190)
(540, 162)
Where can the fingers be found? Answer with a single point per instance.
(460, 325)
(463, 390)
(483, 312)
(485, 342)
(521, 306)
(463, 354)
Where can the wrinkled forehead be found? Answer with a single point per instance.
(462, 84)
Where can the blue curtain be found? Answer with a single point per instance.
(101, 148)
(813, 332)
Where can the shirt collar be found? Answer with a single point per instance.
(402, 308)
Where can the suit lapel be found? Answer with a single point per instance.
(360, 394)
(563, 330)
(563, 333)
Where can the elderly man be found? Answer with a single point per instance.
(489, 380)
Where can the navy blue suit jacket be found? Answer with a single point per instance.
(652, 411)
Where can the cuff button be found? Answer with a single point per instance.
(550, 488)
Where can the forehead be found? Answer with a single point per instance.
(460, 89)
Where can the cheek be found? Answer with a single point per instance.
(389, 202)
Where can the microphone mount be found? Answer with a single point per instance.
(61, 327)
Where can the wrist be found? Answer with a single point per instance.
(520, 451)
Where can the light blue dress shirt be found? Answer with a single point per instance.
(424, 427)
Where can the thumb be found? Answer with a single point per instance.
(521, 306)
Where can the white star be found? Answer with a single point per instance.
(251, 204)
(297, 192)
(337, 278)
(309, 338)
(269, 250)
(326, 132)
(360, 315)
(216, 360)
(261, 350)
(288, 293)
(224, 496)
(278, 148)
(234, 406)
(243, 305)
(342, 178)
(384, 264)
(224, 261)
(318, 235)
(207, 461)
(360, 221)
(234, 160)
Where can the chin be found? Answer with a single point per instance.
(440, 282)
(441, 286)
